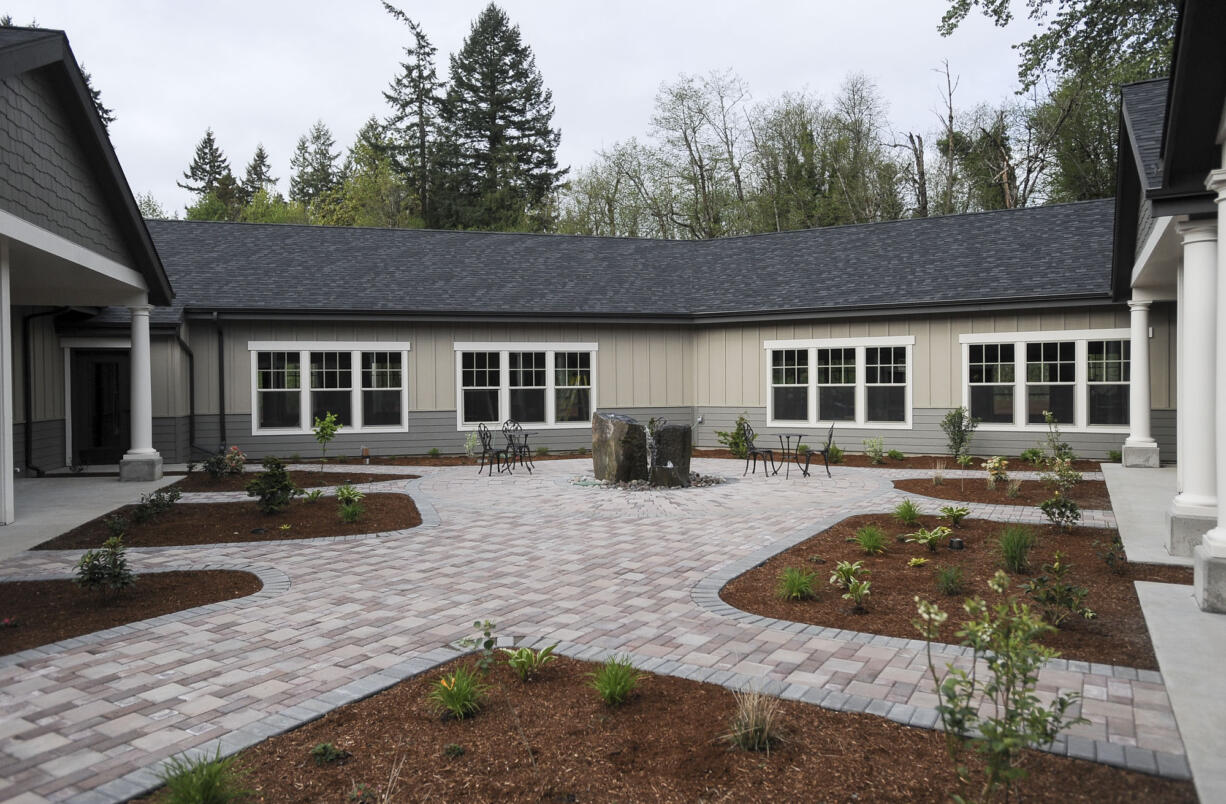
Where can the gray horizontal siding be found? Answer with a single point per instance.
(170, 438)
(926, 437)
(48, 444)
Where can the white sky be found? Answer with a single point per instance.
(264, 70)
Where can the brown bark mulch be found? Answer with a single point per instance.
(861, 461)
(223, 522)
(1118, 634)
(552, 740)
(202, 481)
(48, 611)
(1089, 494)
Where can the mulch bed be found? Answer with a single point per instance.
(1089, 494)
(223, 522)
(1117, 636)
(48, 611)
(552, 740)
(861, 460)
(202, 481)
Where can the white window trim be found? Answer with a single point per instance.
(504, 348)
(1080, 337)
(304, 349)
(860, 345)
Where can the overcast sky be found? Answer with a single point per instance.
(264, 70)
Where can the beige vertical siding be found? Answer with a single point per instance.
(47, 369)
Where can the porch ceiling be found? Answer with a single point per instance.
(1156, 270)
(40, 278)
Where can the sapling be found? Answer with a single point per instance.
(326, 430)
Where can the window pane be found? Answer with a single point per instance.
(338, 402)
(573, 404)
(481, 406)
(1056, 398)
(279, 409)
(277, 370)
(1108, 404)
(528, 404)
(527, 369)
(836, 403)
(572, 369)
(887, 403)
(480, 370)
(380, 369)
(331, 369)
(992, 403)
(380, 408)
(791, 404)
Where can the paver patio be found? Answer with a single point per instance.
(601, 571)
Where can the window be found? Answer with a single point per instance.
(790, 384)
(1108, 363)
(991, 380)
(543, 384)
(364, 386)
(1081, 376)
(1050, 381)
(861, 382)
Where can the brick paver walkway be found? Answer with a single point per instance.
(599, 570)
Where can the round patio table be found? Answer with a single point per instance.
(789, 453)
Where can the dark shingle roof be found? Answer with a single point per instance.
(1041, 252)
(1144, 107)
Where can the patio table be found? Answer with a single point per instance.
(789, 453)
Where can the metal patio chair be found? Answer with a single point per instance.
(753, 452)
(489, 454)
(517, 444)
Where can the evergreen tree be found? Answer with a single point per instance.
(258, 175)
(207, 167)
(105, 113)
(415, 98)
(499, 153)
(314, 165)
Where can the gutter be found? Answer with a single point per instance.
(221, 382)
(27, 383)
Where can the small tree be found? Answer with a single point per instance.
(326, 430)
(736, 440)
(959, 426)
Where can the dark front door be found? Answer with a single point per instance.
(101, 394)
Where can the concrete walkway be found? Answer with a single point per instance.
(1140, 498)
(601, 571)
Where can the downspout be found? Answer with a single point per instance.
(27, 389)
(191, 395)
(221, 382)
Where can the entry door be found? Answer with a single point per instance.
(101, 406)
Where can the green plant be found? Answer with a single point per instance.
(350, 512)
(917, 562)
(285, 528)
(835, 453)
(453, 750)
(929, 538)
(225, 462)
(858, 592)
(754, 723)
(997, 468)
(997, 712)
(736, 441)
(871, 540)
(191, 467)
(795, 584)
(485, 641)
(363, 794)
(329, 754)
(1034, 455)
(955, 514)
(1062, 511)
(874, 448)
(116, 525)
(847, 572)
(959, 427)
(202, 781)
(471, 442)
(273, 488)
(895, 455)
(1112, 554)
(950, 580)
(1114, 456)
(1014, 489)
(346, 493)
(938, 473)
(907, 512)
(542, 452)
(1060, 475)
(153, 505)
(1055, 447)
(1016, 542)
(105, 570)
(615, 680)
(1056, 598)
(527, 662)
(433, 452)
(325, 430)
(314, 495)
(459, 694)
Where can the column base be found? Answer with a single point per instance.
(1186, 526)
(140, 468)
(1209, 580)
(1141, 455)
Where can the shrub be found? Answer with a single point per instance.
(1034, 455)
(272, 488)
(153, 505)
(754, 722)
(615, 680)
(1016, 542)
(895, 455)
(835, 453)
(116, 525)
(471, 442)
(871, 540)
(907, 512)
(1056, 448)
(314, 495)
(453, 750)
(433, 452)
(997, 468)
(202, 781)
(350, 512)
(1056, 598)
(346, 493)
(1062, 511)
(858, 592)
(847, 572)
(735, 441)
(1060, 475)
(459, 694)
(1112, 554)
(874, 448)
(325, 430)
(542, 452)
(485, 641)
(1013, 489)
(929, 538)
(105, 570)
(997, 712)
(329, 754)
(959, 427)
(527, 662)
(795, 584)
(1114, 456)
(955, 514)
(225, 462)
(950, 581)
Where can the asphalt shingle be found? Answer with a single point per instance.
(1144, 107)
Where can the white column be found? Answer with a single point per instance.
(7, 506)
(1197, 407)
(1138, 385)
(142, 385)
(1214, 541)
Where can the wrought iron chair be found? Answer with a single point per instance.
(753, 452)
(824, 452)
(517, 444)
(489, 454)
